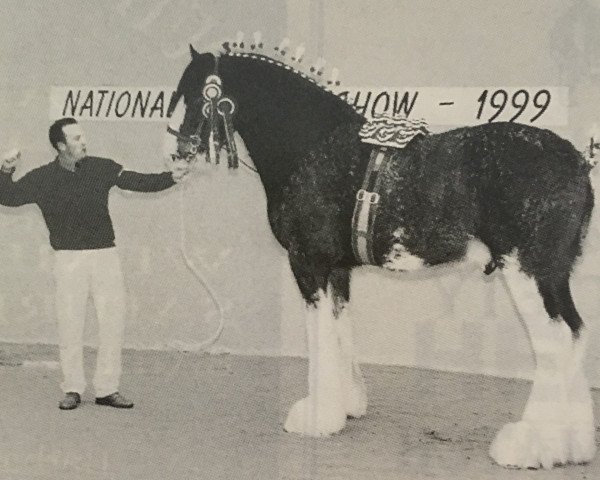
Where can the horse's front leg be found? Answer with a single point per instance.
(355, 392)
(323, 411)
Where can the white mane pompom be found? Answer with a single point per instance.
(254, 49)
(215, 48)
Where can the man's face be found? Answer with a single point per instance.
(74, 146)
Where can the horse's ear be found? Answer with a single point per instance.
(206, 60)
(195, 55)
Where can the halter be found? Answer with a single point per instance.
(215, 107)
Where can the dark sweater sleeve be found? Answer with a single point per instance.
(144, 182)
(14, 194)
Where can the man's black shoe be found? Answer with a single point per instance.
(71, 401)
(114, 400)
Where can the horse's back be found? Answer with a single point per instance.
(512, 186)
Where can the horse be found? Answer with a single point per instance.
(517, 193)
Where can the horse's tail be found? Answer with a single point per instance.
(588, 208)
(555, 289)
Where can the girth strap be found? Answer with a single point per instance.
(365, 208)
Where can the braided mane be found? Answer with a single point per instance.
(293, 63)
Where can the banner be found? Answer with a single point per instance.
(455, 106)
(110, 103)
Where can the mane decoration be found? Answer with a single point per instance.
(256, 50)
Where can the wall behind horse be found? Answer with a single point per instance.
(461, 320)
(456, 321)
(137, 43)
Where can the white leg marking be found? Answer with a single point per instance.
(323, 412)
(557, 426)
(477, 254)
(399, 259)
(355, 391)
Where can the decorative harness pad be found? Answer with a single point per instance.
(387, 133)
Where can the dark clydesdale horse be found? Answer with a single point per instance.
(519, 193)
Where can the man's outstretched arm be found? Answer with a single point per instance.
(14, 194)
(152, 182)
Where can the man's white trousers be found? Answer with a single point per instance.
(79, 275)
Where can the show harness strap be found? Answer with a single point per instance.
(365, 209)
(387, 134)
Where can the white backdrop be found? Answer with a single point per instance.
(458, 321)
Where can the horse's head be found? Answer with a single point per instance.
(200, 116)
(283, 111)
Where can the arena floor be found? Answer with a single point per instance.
(221, 417)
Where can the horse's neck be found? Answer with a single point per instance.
(281, 117)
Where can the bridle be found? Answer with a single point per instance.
(216, 108)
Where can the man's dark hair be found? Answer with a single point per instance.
(56, 134)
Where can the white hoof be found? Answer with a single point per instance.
(308, 418)
(531, 445)
(582, 444)
(356, 403)
(518, 445)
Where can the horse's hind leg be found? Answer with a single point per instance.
(581, 415)
(323, 411)
(353, 384)
(557, 426)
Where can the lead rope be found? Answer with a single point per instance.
(196, 272)
(232, 156)
(214, 106)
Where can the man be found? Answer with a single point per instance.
(72, 193)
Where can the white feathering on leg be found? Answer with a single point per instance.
(355, 392)
(323, 412)
(557, 426)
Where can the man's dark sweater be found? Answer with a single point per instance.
(75, 204)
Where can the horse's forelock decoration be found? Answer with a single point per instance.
(217, 111)
(519, 194)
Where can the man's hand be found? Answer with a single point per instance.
(10, 160)
(179, 170)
